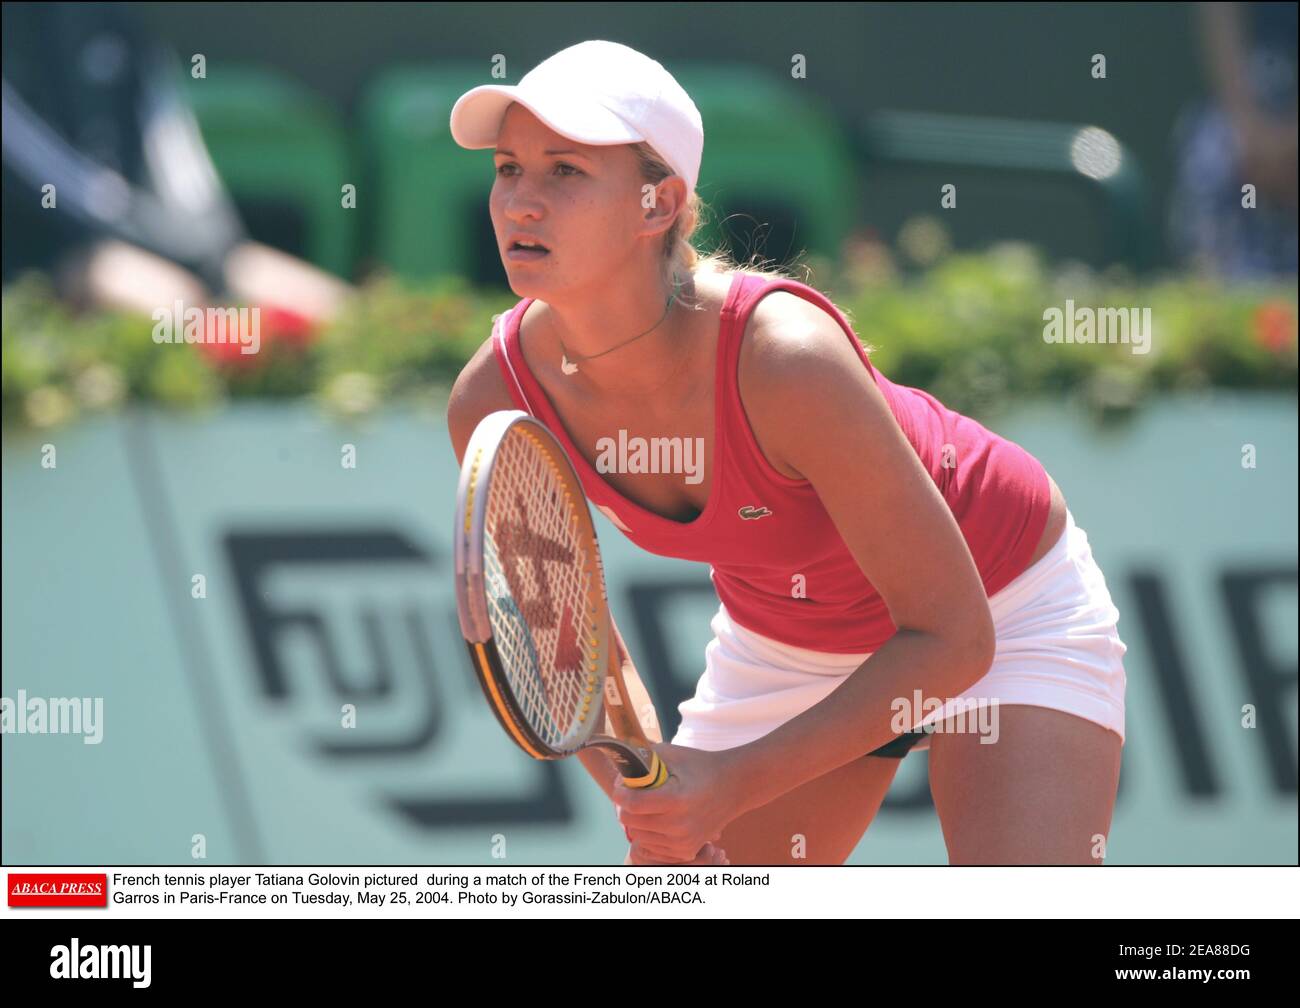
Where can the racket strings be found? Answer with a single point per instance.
(541, 583)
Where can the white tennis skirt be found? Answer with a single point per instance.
(1057, 646)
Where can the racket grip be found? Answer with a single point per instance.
(656, 775)
(640, 766)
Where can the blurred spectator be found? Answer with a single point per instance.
(1246, 133)
(92, 106)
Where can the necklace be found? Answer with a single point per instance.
(569, 367)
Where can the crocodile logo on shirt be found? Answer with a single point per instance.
(750, 511)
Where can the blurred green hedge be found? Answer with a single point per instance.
(968, 329)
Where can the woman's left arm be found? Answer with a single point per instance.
(828, 421)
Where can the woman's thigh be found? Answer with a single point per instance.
(1043, 793)
(817, 823)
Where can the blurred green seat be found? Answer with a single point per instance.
(773, 150)
(282, 154)
(431, 216)
(1086, 159)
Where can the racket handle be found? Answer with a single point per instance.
(656, 773)
(639, 765)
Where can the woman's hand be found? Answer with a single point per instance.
(709, 854)
(677, 822)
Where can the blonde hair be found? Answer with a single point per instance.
(680, 256)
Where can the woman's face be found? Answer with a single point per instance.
(582, 203)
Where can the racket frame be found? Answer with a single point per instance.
(638, 764)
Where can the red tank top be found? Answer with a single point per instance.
(760, 527)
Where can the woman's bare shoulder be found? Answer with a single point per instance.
(785, 329)
(792, 351)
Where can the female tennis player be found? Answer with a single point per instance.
(883, 564)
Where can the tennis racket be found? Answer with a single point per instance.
(530, 595)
